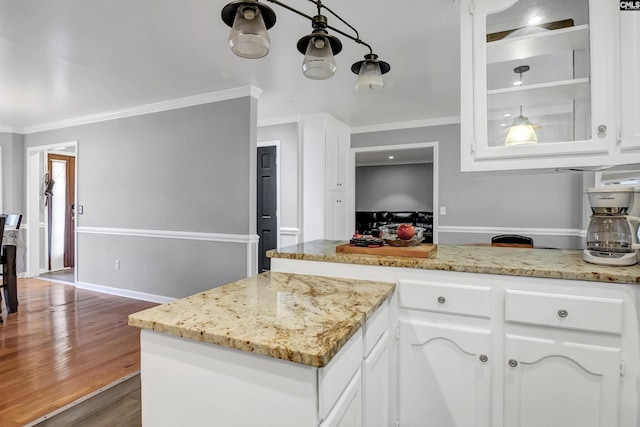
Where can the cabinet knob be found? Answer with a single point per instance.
(483, 358)
(513, 363)
(602, 128)
(442, 300)
(563, 313)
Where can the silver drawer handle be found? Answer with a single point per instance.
(513, 363)
(483, 358)
(563, 313)
(441, 300)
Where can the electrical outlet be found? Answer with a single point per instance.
(443, 210)
(80, 209)
(117, 264)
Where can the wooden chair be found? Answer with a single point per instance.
(8, 287)
(512, 240)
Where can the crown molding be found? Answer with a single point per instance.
(173, 104)
(439, 121)
(9, 129)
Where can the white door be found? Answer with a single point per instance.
(444, 376)
(552, 383)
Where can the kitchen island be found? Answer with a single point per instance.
(275, 349)
(501, 337)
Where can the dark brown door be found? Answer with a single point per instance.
(267, 205)
(70, 194)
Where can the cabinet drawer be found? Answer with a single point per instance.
(375, 327)
(444, 298)
(565, 311)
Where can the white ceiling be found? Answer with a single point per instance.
(63, 59)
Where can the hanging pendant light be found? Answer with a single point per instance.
(521, 131)
(319, 49)
(370, 73)
(249, 22)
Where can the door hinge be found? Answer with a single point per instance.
(619, 138)
(623, 368)
(471, 8)
(397, 333)
(472, 147)
(397, 423)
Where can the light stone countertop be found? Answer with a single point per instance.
(300, 318)
(543, 263)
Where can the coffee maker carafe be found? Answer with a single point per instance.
(612, 236)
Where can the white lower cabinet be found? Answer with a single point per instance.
(375, 386)
(553, 383)
(348, 409)
(445, 375)
(523, 356)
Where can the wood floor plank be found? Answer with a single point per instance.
(62, 344)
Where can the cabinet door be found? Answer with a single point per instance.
(630, 85)
(336, 215)
(348, 409)
(560, 384)
(375, 385)
(559, 74)
(337, 143)
(444, 376)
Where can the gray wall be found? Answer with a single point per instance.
(185, 170)
(517, 199)
(288, 135)
(394, 188)
(12, 172)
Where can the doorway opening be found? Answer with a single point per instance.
(396, 179)
(51, 201)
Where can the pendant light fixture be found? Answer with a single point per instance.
(521, 131)
(249, 21)
(319, 49)
(519, 70)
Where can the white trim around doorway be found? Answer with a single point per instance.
(351, 209)
(35, 164)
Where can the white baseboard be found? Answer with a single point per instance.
(124, 293)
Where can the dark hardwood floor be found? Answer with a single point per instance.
(62, 345)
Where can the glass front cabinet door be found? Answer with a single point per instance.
(540, 84)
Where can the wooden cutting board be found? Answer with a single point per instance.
(423, 250)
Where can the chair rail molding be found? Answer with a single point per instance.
(569, 232)
(170, 234)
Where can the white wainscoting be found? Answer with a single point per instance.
(289, 236)
(251, 240)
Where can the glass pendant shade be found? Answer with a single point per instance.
(249, 37)
(319, 62)
(521, 132)
(369, 77)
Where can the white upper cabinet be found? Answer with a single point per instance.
(560, 75)
(630, 84)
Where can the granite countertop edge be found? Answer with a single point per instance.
(540, 263)
(295, 347)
